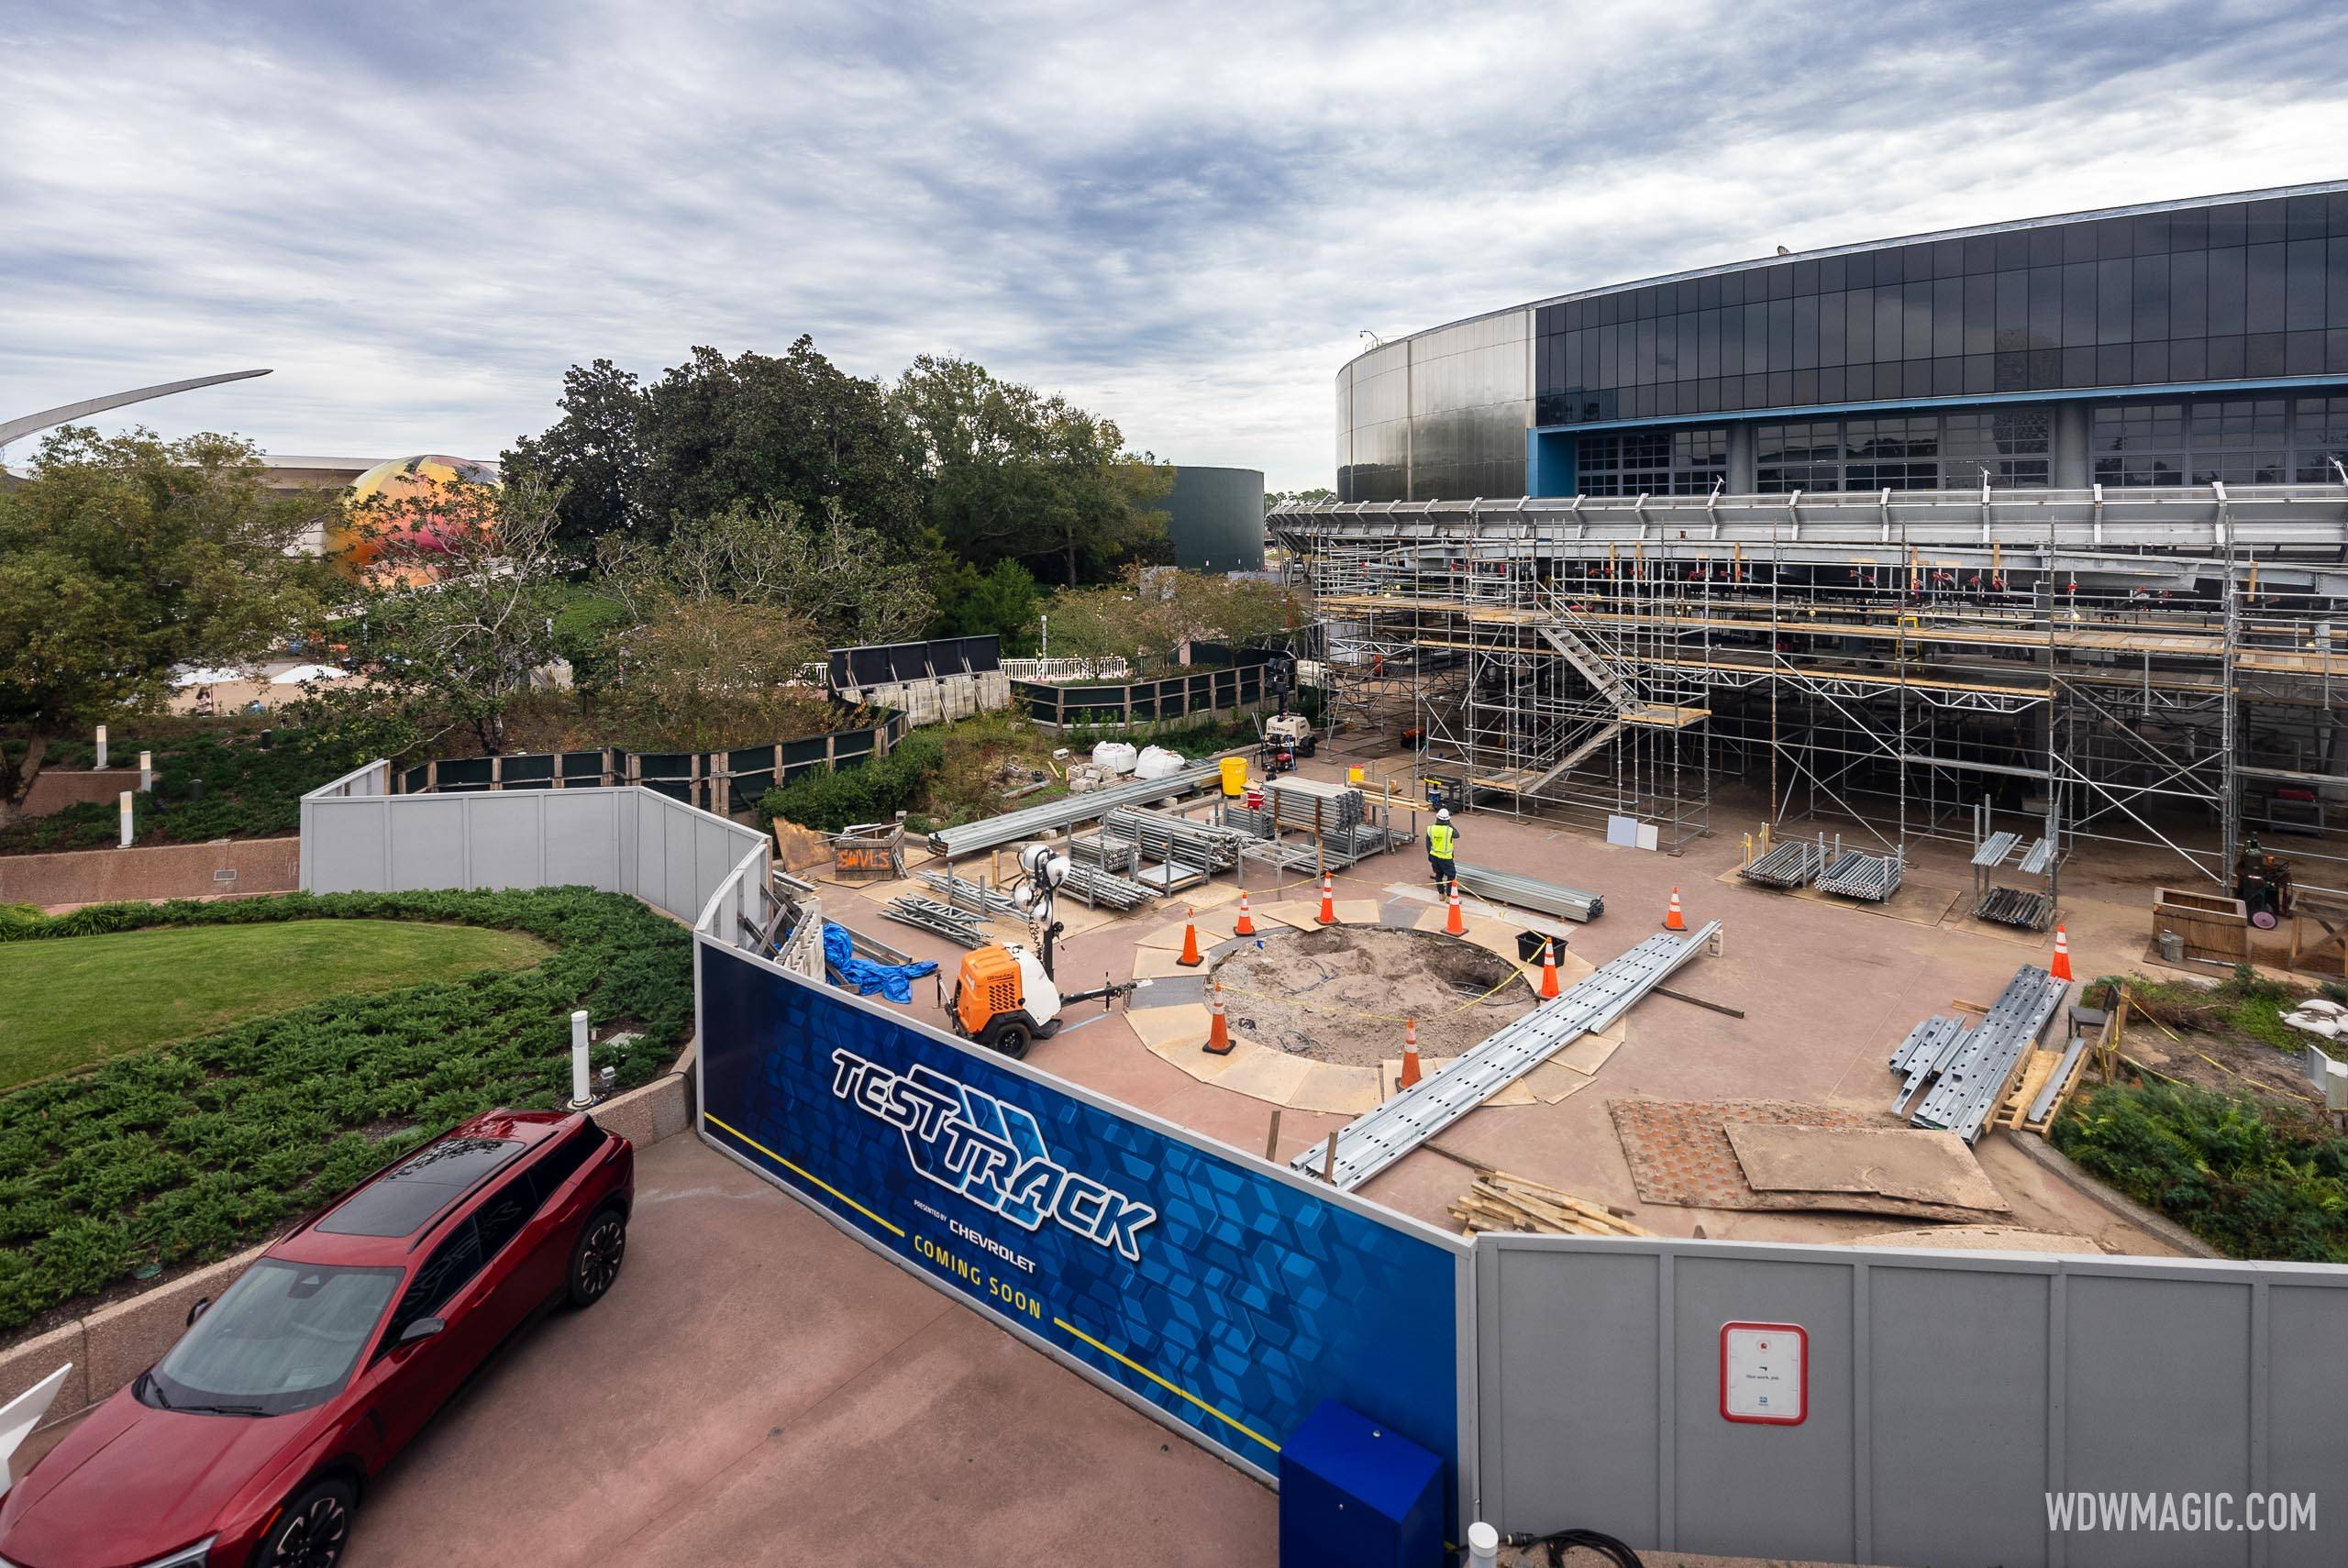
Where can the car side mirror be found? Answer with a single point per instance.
(197, 1310)
(422, 1329)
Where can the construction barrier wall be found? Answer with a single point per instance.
(1948, 1395)
(1221, 1295)
(356, 838)
(728, 780)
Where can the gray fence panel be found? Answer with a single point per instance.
(507, 837)
(1736, 1480)
(426, 843)
(1994, 1326)
(621, 840)
(1949, 1393)
(2156, 1399)
(2302, 1339)
(582, 838)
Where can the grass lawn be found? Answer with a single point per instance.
(79, 1000)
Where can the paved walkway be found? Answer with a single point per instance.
(758, 1389)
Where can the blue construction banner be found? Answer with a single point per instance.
(1227, 1293)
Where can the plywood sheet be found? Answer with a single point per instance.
(1983, 1237)
(1919, 1164)
(1160, 962)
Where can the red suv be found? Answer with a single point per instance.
(246, 1445)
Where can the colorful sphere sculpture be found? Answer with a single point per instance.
(389, 513)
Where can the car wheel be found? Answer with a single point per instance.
(595, 1260)
(312, 1530)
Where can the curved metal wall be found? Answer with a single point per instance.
(2246, 291)
(1215, 518)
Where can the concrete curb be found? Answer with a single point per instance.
(2059, 1165)
(115, 1343)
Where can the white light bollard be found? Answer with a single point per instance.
(102, 747)
(147, 771)
(1483, 1545)
(127, 798)
(582, 1095)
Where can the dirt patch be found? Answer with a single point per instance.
(2226, 1065)
(1340, 995)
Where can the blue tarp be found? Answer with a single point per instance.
(894, 981)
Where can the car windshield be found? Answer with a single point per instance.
(284, 1338)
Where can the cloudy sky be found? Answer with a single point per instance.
(1181, 216)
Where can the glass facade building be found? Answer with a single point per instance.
(2174, 343)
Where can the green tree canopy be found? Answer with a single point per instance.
(122, 556)
(1016, 474)
(711, 433)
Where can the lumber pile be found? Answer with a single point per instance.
(1499, 1201)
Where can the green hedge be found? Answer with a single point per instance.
(2224, 1166)
(249, 791)
(182, 1156)
(871, 792)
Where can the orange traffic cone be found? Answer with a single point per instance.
(1409, 1075)
(1245, 924)
(1672, 919)
(1192, 958)
(1454, 924)
(2062, 970)
(1219, 1033)
(1328, 915)
(1549, 970)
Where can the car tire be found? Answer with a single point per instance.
(596, 1256)
(312, 1530)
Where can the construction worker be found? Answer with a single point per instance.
(1442, 841)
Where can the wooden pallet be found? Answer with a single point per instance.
(1497, 1201)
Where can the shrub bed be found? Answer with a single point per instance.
(249, 791)
(175, 1158)
(870, 792)
(2252, 1179)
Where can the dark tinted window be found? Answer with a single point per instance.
(563, 1162)
(443, 1273)
(403, 1198)
(502, 1214)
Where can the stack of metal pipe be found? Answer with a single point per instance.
(1164, 837)
(1526, 893)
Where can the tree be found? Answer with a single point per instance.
(593, 456)
(701, 674)
(122, 557)
(1313, 497)
(838, 578)
(712, 433)
(1013, 474)
(1003, 602)
(473, 583)
(1148, 618)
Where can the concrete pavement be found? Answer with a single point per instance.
(759, 1390)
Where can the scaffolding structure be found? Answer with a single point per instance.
(2142, 667)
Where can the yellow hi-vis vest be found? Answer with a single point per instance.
(1439, 838)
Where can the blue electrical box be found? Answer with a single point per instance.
(1354, 1495)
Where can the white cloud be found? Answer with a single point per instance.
(1180, 216)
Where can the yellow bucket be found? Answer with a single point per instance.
(1353, 775)
(1234, 776)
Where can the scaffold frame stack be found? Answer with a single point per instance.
(2156, 667)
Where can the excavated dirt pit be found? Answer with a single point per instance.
(1340, 995)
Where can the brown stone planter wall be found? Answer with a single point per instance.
(55, 790)
(165, 871)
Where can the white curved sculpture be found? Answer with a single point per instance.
(15, 429)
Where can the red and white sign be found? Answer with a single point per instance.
(1765, 1374)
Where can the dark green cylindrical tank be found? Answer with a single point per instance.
(1215, 518)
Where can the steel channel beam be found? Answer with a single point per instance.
(1040, 822)
(1524, 892)
(1374, 1141)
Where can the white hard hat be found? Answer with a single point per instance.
(1442, 814)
